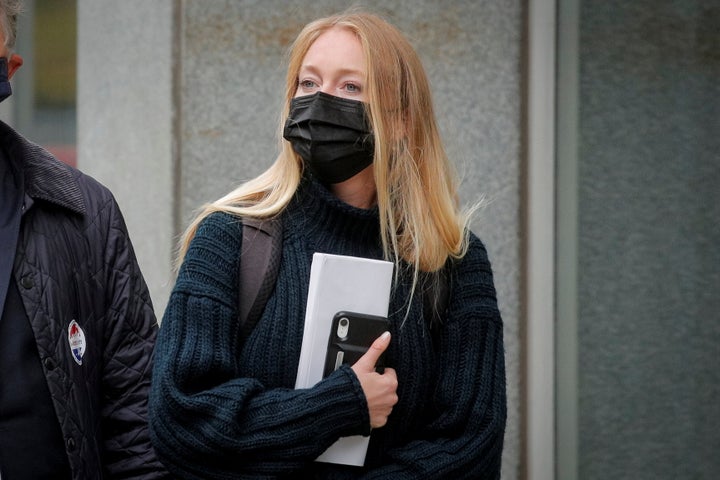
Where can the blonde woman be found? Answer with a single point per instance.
(362, 172)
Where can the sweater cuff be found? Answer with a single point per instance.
(357, 388)
(349, 414)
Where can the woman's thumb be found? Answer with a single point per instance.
(367, 362)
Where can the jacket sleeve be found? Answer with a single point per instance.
(464, 437)
(129, 336)
(207, 421)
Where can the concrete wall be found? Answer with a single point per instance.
(179, 101)
(648, 231)
(125, 114)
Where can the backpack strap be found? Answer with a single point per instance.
(259, 265)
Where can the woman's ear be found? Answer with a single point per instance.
(14, 62)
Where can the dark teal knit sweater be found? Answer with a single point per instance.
(222, 406)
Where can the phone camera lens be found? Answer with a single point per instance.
(343, 326)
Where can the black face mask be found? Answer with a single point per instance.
(331, 134)
(5, 90)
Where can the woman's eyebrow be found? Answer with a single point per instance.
(309, 68)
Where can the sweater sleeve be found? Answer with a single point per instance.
(208, 422)
(464, 438)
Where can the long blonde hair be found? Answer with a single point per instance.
(420, 220)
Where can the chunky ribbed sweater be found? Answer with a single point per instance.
(224, 406)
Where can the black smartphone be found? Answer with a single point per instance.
(350, 337)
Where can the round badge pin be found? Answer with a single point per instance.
(76, 339)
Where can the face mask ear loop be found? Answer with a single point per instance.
(5, 88)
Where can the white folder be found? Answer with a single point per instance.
(340, 283)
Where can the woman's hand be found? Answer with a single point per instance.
(380, 389)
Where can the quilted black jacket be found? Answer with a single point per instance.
(74, 261)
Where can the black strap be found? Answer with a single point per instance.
(259, 264)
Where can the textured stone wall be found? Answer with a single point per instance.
(649, 204)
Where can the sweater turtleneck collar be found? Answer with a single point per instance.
(331, 223)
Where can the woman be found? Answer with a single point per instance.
(362, 172)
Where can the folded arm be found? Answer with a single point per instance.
(206, 420)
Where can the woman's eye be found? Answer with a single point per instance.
(307, 84)
(351, 87)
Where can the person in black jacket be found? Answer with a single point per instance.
(77, 327)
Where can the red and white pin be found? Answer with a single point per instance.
(76, 338)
